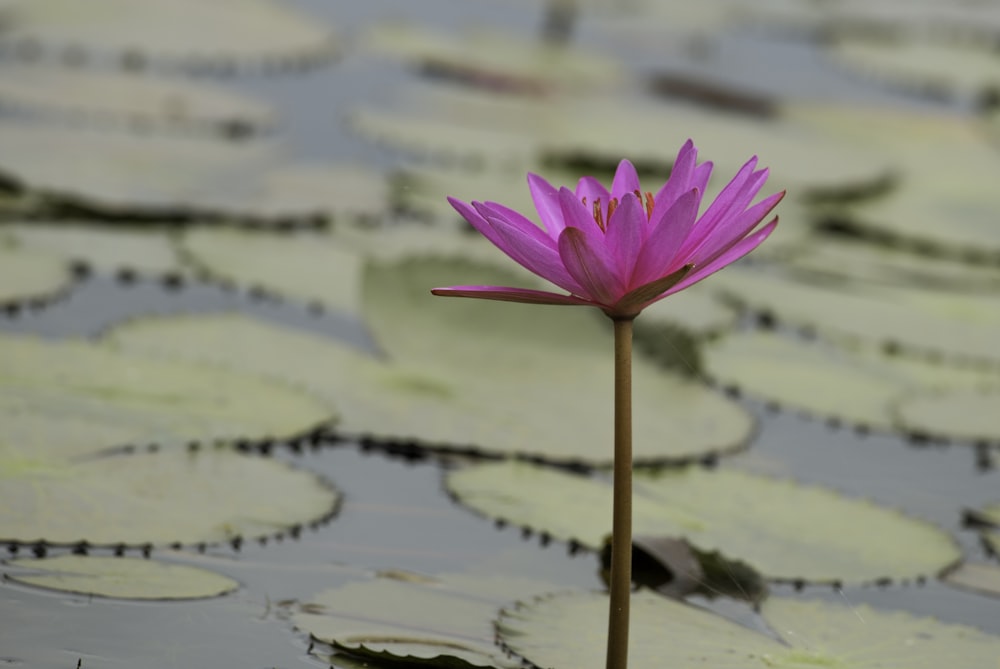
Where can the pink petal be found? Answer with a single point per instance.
(546, 199)
(637, 299)
(680, 177)
(733, 229)
(626, 234)
(526, 244)
(593, 190)
(701, 175)
(659, 254)
(475, 219)
(733, 198)
(626, 181)
(578, 216)
(507, 294)
(737, 251)
(591, 266)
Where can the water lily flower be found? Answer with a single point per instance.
(623, 249)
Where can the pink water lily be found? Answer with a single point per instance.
(623, 249)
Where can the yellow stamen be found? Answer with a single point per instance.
(649, 204)
(612, 205)
(599, 214)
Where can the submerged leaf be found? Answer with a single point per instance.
(120, 577)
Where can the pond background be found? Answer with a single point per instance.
(394, 514)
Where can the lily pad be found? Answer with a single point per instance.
(437, 404)
(188, 33)
(105, 249)
(494, 60)
(125, 175)
(785, 530)
(129, 99)
(965, 414)
(857, 387)
(959, 326)
(308, 267)
(941, 70)
(978, 577)
(157, 498)
(568, 630)
(28, 276)
(49, 388)
(119, 577)
(447, 618)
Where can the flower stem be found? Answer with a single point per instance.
(621, 529)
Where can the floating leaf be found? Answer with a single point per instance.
(29, 276)
(502, 62)
(445, 618)
(156, 498)
(120, 577)
(568, 630)
(852, 386)
(441, 405)
(966, 414)
(101, 248)
(49, 388)
(962, 326)
(120, 175)
(936, 69)
(840, 258)
(129, 99)
(784, 530)
(193, 34)
(981, 578)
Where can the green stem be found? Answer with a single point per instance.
(621, 529)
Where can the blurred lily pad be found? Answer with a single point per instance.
(29, 276)
(568, 630)
(191, 34)
(937, 69)
(785, 530)
(161, 498)
(979, 577)
(965, 414)
(446, 619)
(49, 388)
(505, 63)
(129, 100)
(857, 387)
(957, 325)
(119, 577)
(105, 249)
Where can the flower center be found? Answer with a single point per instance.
(598, 210)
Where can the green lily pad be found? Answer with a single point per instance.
(966, 414)
(156, 498)
(29, 276)
(120, 577)
(847, 259)
(989, 518)
(569, 630)
(105, 249)
(307, 267)
(858, 387)
(941, 70)
(48, 389)
(978, 577)
(436, 403)
(960, 326)
(784, 530)
(494, 60)
(129, 99)
(191, 34)
(125, 175)
(445, 619)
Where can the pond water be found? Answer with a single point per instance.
(394, 514)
